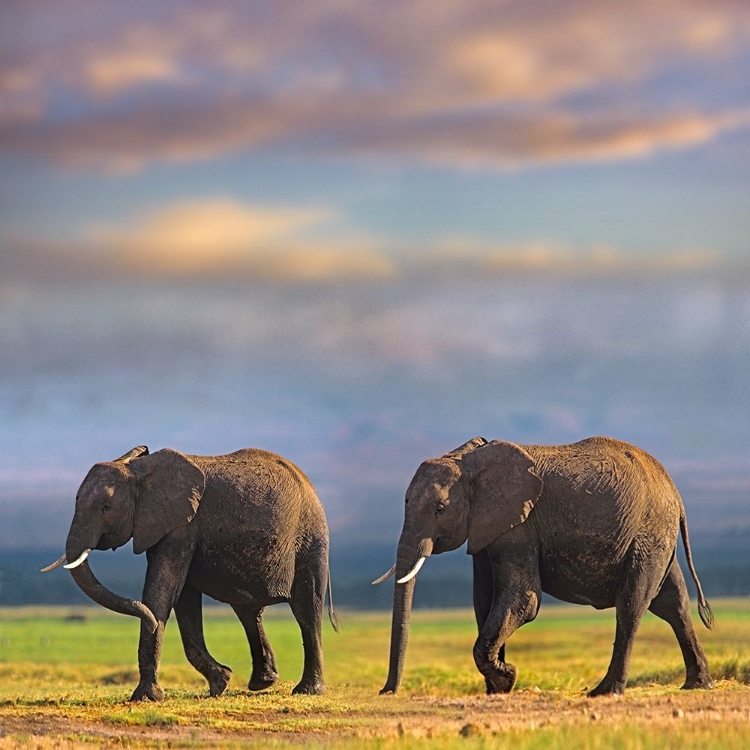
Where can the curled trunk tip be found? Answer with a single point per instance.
(88, 583)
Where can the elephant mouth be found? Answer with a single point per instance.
(106, 542)
(441, 544)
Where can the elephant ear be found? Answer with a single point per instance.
(505, 490)
(170, 487)
(467, 447)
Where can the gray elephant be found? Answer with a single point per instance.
(593, 523)
(246, 528)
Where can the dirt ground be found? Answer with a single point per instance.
(416, 717)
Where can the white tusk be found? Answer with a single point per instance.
(413, 571)
(385, 576)
(77, 562)
(54, 565)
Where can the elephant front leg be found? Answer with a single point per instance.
(149, 655)
(512, 606)
(483, 592)
(165, 577)
(489, 657)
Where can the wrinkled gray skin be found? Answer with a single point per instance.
(593, 523)
(246, 529)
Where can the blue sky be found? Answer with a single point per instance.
(360, 233)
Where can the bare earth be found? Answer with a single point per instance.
(416, 717)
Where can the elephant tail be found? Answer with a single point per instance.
(332, 616)
(704, 608)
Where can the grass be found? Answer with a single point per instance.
(65, 676)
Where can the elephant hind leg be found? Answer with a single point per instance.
(638, 590)
(264, 673)
(189, 613)
(307, 604)
(673, 605)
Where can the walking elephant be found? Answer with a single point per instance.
(593, 523)
(246, 528)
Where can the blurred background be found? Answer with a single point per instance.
(361, 233)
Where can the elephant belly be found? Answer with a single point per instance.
(581, 576)
(239, 575)
(591, 550)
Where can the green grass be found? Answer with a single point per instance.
(76, 675)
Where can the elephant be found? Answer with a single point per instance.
(595, 522)
(245, 528)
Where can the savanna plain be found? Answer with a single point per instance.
(66, 675)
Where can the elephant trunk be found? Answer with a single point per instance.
(403, 593)
(88, 583)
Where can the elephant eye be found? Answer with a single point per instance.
(106, 509)
(440, 509)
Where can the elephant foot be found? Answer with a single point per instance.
(607, 686)
(147, 691)
(263, 681)
(313, 687)
(702, 682)
(502, 679)
(218, 680)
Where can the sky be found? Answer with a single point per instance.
(360, 233)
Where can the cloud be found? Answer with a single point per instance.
(193, 236)
(512, 142)
(322, 263)
(122, 69)
(226, 239)
(544, 51)
(229, 239)
(544, 257)
(125, 144)
(465, 84)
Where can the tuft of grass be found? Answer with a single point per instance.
(147, 717)
(736, 668)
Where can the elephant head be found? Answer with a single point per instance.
(138, 496)
(477, 492)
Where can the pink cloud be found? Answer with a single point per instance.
(462, 83)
